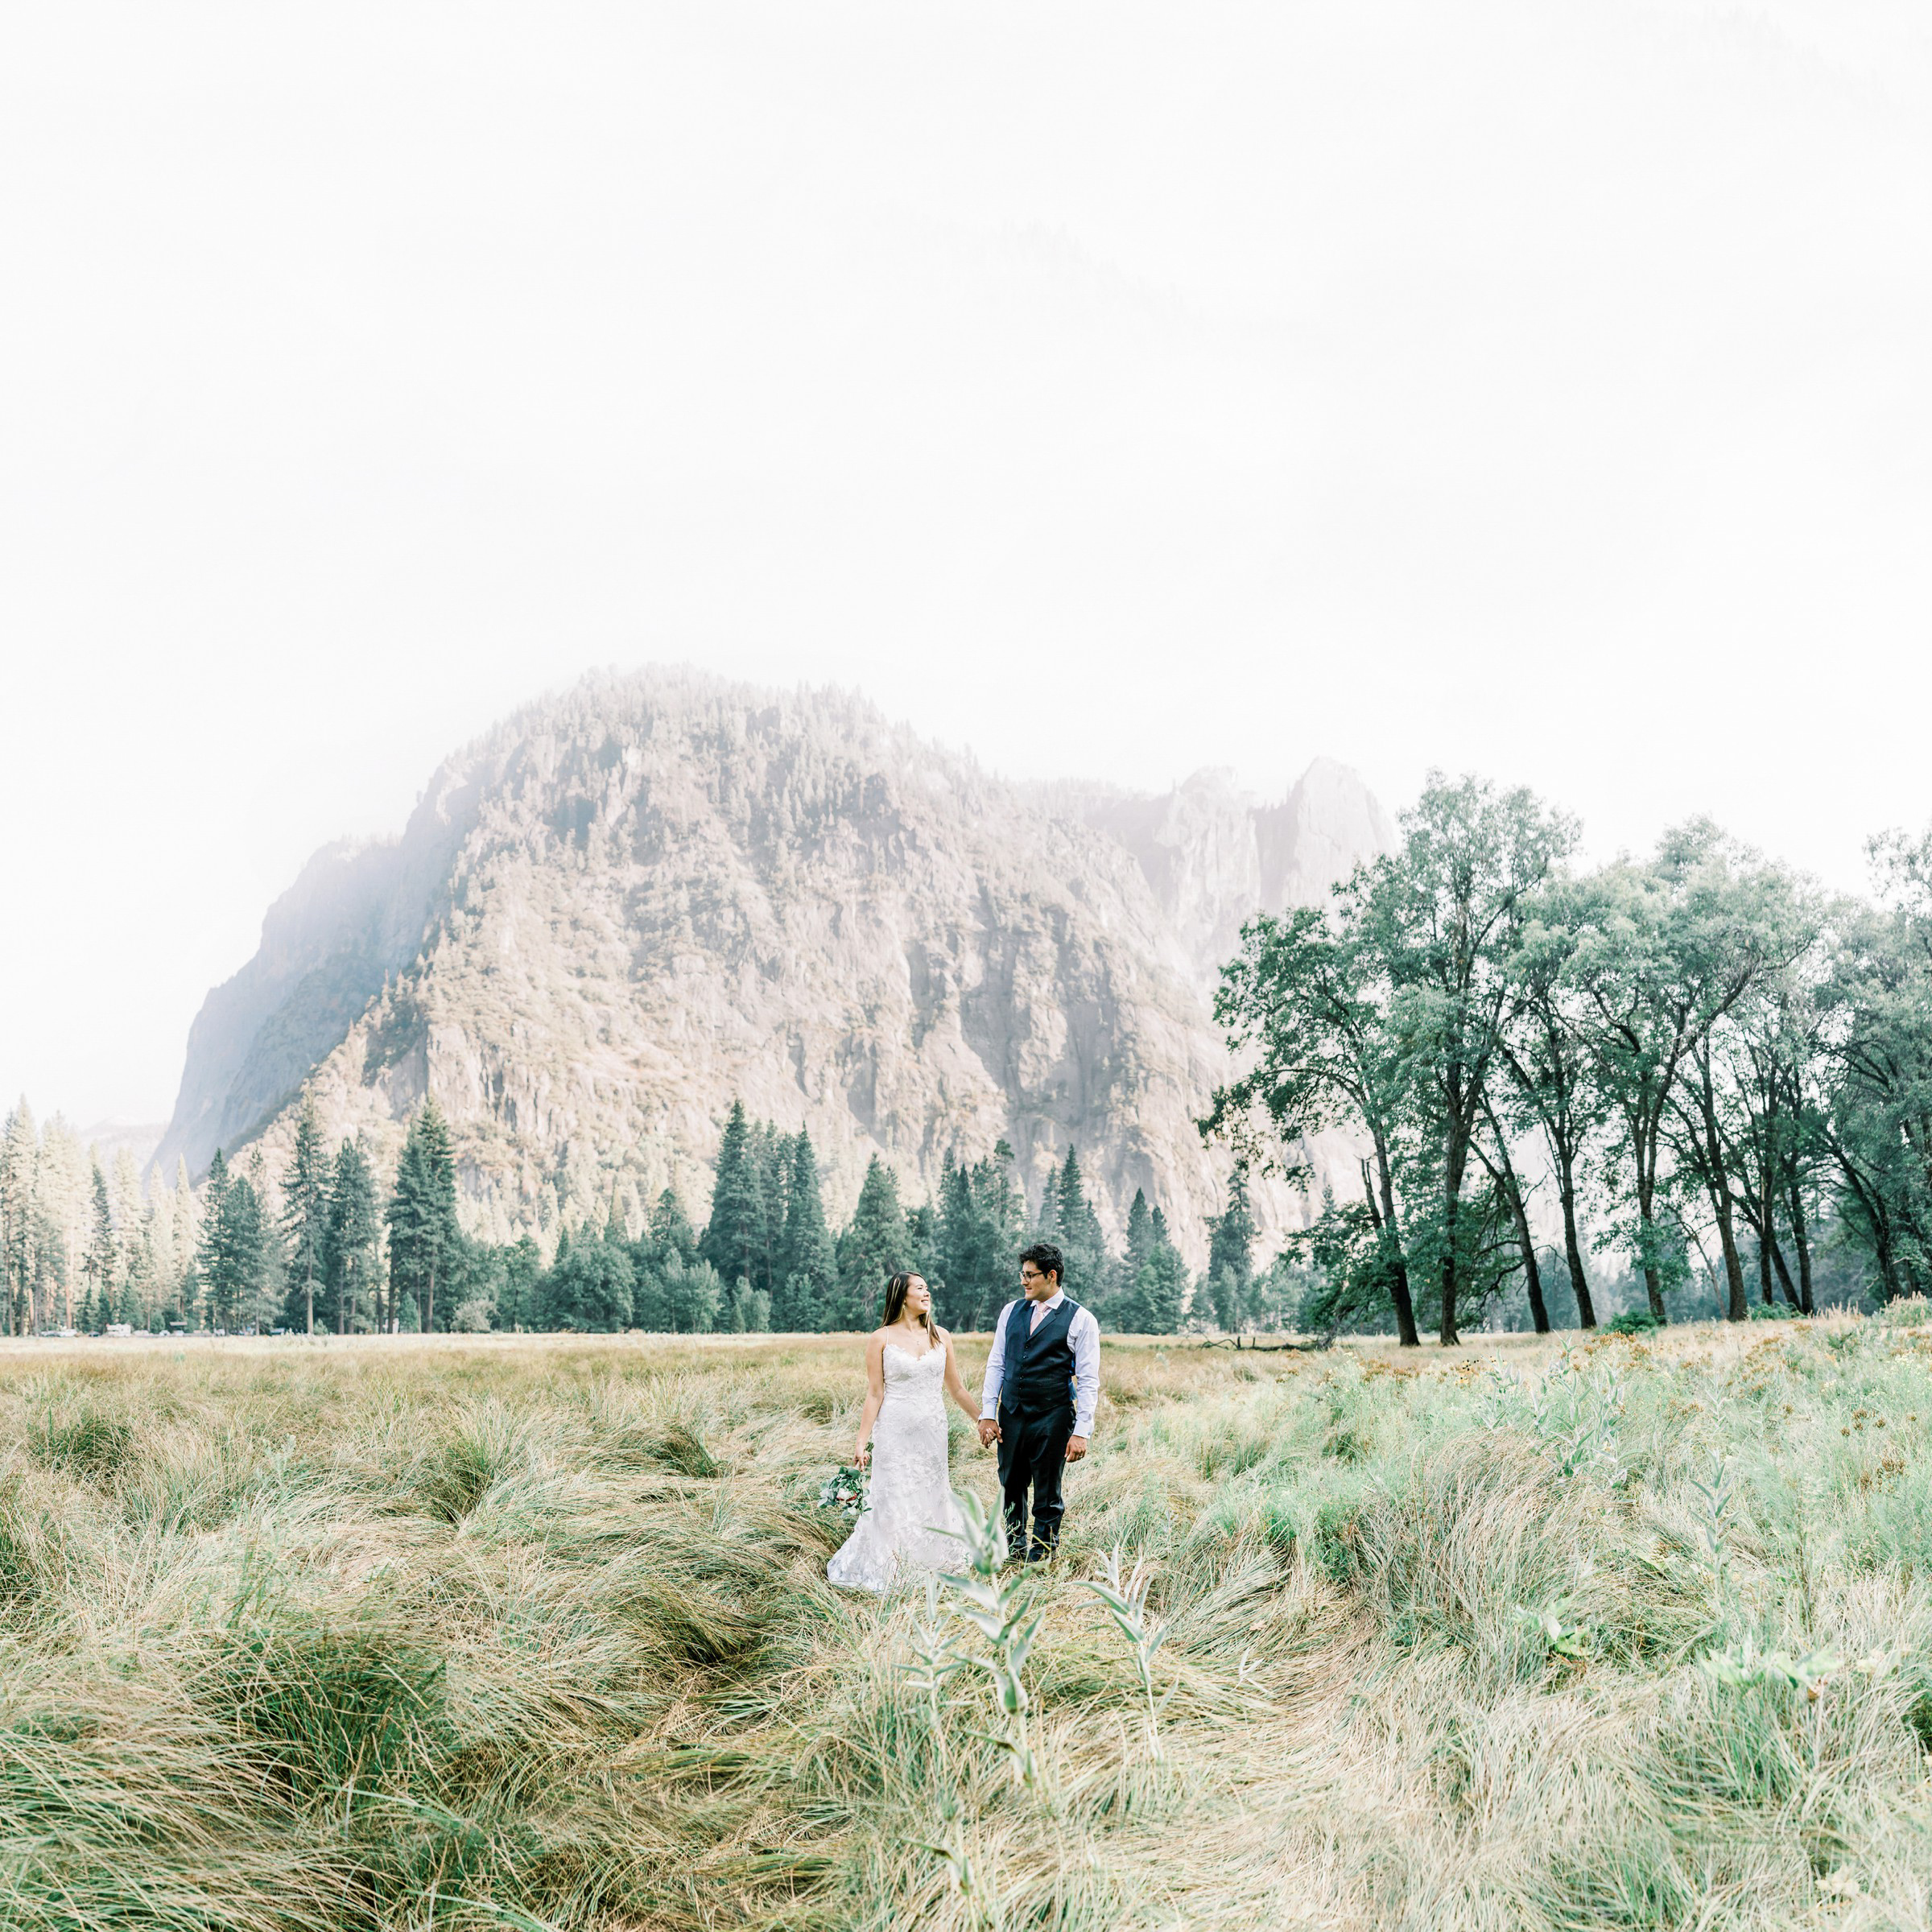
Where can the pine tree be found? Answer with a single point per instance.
(522, 1264)
(187, 1240)
(1047, 1224)
(980, 1215)
(48, 1280)
(97, 1266)
(350, 1260)
(422, 1216)
(872, 1248)
(124, 1198)
(305, 1218)
(1161, 1293)
(771, 1154)
(139, 1275)
(959, 1239)
(1156, 1289)
(205, 1287)
(805, 1280)
(1140, 1235)
(1002, 1212)
(158, 1221)
(66, 1200)
(19, 1147)
(670, 1229)
(268, 1282)
(439, 1172)
(922, 1246)
(737, 1239)
(229, 1263)
(243, 1245)
(1231, 1256)
(1077, 1234)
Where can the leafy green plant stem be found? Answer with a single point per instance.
(1126, 1601)
(997, 1605)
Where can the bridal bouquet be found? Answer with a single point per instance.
(844, 1492)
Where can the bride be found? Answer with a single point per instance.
(909, 1369)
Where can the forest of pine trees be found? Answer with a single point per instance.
(768, 1260)
(324, 1247)
(81, 1246)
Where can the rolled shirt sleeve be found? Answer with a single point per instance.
(1085, 1336)
(996, 1369)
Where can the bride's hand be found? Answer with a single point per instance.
(862, 1455)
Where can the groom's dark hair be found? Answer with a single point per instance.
(1046, 1258)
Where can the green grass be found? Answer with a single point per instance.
(536, 1633)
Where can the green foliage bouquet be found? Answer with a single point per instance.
(846, 1492)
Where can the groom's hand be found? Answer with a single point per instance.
(1076, 1447)
(990, 1432)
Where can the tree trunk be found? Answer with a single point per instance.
(1881, 1229)
(1764, 1249)
(1398, 1263)
(1738, 1308)
(1802, 1236)
(1739, 1304)
(1455, 1159)
(1579, 1283)
(1766, 1233)
(1646, 1125)
(1647, 1228)
(1533, 1279)
(1504, 1171)
(1784, 1271)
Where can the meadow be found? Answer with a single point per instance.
(534, 1631)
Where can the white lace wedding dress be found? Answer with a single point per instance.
(911, 1506)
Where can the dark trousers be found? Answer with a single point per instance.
(1033, 1455)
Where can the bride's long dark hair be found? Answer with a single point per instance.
(895, 1305)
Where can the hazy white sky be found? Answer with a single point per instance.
(1542, 390)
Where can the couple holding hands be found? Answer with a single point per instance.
(1043, 1381)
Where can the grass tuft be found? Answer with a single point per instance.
(82, 1442)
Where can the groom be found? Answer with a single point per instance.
(1042, 1381)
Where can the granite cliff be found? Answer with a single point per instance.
(629, 903)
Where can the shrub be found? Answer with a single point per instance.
(1633, 1321)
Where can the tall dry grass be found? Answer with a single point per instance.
(536, 1633)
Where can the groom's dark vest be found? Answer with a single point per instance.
(1037, 1375)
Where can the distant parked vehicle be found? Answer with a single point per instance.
(118, 1328)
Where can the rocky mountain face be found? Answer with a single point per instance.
(1213, 856)
(628, 904)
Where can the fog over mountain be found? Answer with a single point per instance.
(628, 904)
